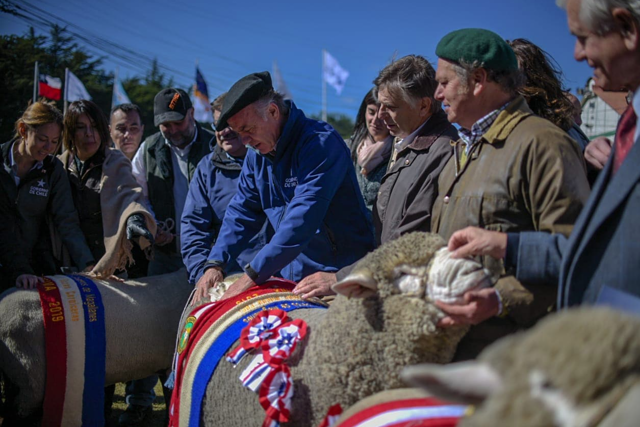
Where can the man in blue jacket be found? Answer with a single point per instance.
(300, 178)
(210, 191)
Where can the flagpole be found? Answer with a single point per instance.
(36, 81)
(324, 90)
(66, 90)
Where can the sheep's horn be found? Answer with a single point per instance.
(358, 284)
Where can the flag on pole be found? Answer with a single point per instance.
(74, 89)
(202, 108)
(280, 84)
(333, 73)
(119, 95)
(50, 87)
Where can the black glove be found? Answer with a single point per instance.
(137, 228)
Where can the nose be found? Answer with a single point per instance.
(382, 113)
(439, 93)
(578, 51)
(246, 140)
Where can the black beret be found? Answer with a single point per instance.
(245, 91)
(475, 44)
(170, 105)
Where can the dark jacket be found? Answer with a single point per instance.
(85, 188)
(210, 191)
(602, 251)
(310, 195)
(410, 186)
(45, 192)
(159, 173)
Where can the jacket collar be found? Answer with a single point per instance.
(431, 131)
(507, 120)
(294, 121)
(220, 160)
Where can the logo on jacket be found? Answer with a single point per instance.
(39, 190)
(291, 182)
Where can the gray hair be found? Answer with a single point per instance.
(271, 97)
(596, 14)
(410, 78)
(509, 80)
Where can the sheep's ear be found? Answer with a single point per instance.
(358, 284)
(466, 382)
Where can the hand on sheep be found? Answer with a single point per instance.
(316, 285)
(239, 286)
(28, 281)
(477, 307)
(473, 241)
(209, 279)
(597, 152)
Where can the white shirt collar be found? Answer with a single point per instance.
(404, 143)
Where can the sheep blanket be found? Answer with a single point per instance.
(75, 348)
(209, 332)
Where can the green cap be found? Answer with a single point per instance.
(476, 44)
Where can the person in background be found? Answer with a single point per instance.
(600, 261)
(370, 145)
(511, 170)
(126, 128)
(165, 165)
(36, 189)
(210, 192)
(543, 89)
(108, 199)
(576, 131)
(422, 147)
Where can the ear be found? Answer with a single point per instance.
(425, 106)
(22, 129)
(478, 81)
(466, 382)
(274, 111)
(628, 27)
(358, 284)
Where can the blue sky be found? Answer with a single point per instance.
(230, 39)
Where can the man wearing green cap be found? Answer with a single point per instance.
(511, 171)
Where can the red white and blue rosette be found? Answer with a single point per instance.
(283, 342)
(260, 328)
(275, 396)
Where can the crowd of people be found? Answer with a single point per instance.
(485, 149)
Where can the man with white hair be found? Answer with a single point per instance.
(600, 261)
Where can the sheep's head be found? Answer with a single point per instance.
(416, 264)
(572, 370)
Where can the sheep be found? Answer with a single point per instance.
(357, 347)
(580, 367)
(141, 319)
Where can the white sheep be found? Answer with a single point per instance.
(579, 368)
(141, 322)
(358, 346)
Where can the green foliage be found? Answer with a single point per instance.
(340, 122)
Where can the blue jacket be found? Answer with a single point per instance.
(309, 193)
(213, 185)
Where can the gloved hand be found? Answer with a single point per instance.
(137, 228)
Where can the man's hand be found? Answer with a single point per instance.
(28, 281)
(597, 152)
(210, 278)
(163, 237)
(477, 307)
(239, 286)
(316, 285)
(472, 241)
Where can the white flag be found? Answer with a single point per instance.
(119, 95)
(74, 89)
(333, 73)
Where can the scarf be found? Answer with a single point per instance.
(372, 153)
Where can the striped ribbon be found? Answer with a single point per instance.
(75, 348)
(211, 337)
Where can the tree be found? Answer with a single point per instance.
(342, 123)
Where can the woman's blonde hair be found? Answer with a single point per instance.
(37, 114)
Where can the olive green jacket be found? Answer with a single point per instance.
(525, 174)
